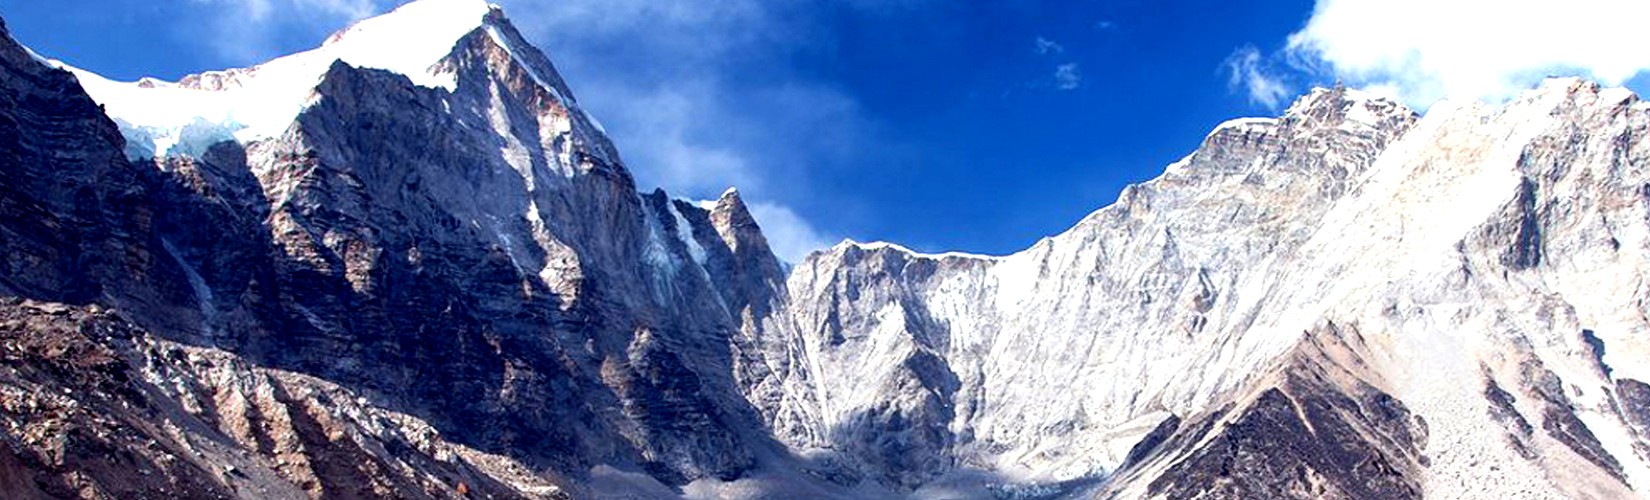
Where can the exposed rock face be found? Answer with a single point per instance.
(75, 213)
(534, 282)
(1321, 431)
(507, 296)
(1063, 354)
(98, 408)
(435, 278)
(1490, 256)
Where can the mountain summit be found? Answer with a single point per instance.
(420, 41)
(406, 264)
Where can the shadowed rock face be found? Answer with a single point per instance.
(1559, 420)
(1320, 431)
(74, 208)
(1504, 411)
(100, 408)
(1314, 445)
(1153, 440)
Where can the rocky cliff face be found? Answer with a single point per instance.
(406, 289)
(1348, 301)
(425, 272)
(1057, 358)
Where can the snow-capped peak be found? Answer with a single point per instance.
(884, 245)
(162, 118)
(408, 40)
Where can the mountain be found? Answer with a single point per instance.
(1348, 301)
(408, 264)
(435, 272)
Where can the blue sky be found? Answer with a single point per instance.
(977, 126)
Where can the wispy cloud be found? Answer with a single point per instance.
(247, 30)
(1068, 76)
(1046, 46)
(1429, 49)
(1248, 73)
(790, 236)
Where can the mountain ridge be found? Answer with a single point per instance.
(1349, 301)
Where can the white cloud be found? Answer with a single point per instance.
(790, 236)
(354, 9)
(1046, 46)
(1430, 49)
(245, 31)
(1068, 76)
(649, 69)
(1247, 73)
(673, 155)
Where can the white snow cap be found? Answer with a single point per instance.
(884, 245)
(1243, 125)
(262, 101)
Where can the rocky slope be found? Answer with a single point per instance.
(408, 264)
(1349, 301)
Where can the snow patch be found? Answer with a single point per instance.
(883, 245)
(663, 263)
(1361, 113)
(1244, 125)
(684, 231)
(1617, 95)
(593, 121)
(36, 56)
(262, 101)
(1181, 166)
